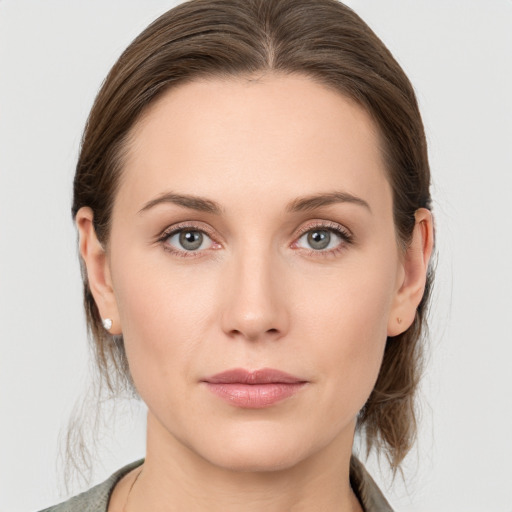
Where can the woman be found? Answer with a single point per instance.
(252, 200)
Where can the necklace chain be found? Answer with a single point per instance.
(130, 490)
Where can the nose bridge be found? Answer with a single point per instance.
(255, 306)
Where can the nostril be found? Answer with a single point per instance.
(253, 336)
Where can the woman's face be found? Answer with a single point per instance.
(253, 230)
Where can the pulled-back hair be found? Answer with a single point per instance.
(320, 39)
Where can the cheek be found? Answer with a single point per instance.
(348, 326)
(164, 314)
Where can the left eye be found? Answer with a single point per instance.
(320, 239)
(189, 240)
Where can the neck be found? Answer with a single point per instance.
(175, 478)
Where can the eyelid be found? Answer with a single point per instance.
(184, 226)
(191, 225)
(324, 224)
(341, 231)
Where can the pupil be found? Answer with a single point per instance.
(319, 239)
(191, 240)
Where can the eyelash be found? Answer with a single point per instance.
(177, 229)
(344, 234)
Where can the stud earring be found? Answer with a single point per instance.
(399, 320)
(107, 323)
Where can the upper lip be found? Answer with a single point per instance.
(262, 376)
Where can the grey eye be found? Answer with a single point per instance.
(319, 239)
(189, 240)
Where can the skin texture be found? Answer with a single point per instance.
(256, 294)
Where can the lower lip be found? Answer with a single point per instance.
(254, 396)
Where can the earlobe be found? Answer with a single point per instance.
(413, 278)
(98, 273)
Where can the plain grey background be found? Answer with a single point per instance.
(458, 54)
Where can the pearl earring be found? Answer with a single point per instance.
(107, 323)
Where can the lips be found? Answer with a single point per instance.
(256, 389)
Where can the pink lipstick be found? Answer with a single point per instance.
(254, 390)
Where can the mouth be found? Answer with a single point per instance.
(254, 389)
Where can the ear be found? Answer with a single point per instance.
(98, 271)
(413, 275)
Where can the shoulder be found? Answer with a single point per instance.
(365, 488)
(95, 499)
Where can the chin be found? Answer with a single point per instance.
(259, 452)
(254, 460)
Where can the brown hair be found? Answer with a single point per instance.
(322, 39)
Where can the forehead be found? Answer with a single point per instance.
(271, 135)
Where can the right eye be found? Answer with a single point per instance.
(188, 240)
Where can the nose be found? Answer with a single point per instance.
(254, 305)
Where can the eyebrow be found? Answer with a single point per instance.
(301, 204)
(187, 201)
(308, 203)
